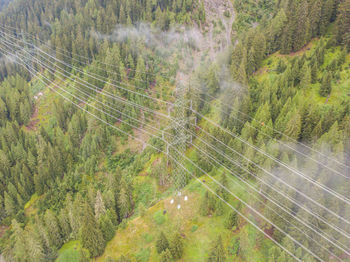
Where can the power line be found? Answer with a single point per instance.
(278, 141)
(336, 194)
(208, 188)
(306, 146)
(300, 174)
(51, 68)
(273, 200)
(89, 63)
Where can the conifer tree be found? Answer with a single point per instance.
(293, 126)
(99, 205)
(91, 236)
(10, 204)
(343, 23)
(53, 229)
(217, 251)
(231, 220)
(203, 207)
(106, 226)
(281, 66)
(35, 248)
(123, 201)
(162, 243)
(176, 246)
(19, 241)
(326, 85)
(166, 256)
(140, 73)
(306, 77)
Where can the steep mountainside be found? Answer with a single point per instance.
(108, 107)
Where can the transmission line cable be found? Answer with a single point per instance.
(290, 253)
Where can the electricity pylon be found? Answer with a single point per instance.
(176, 144)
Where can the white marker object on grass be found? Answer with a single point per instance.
(172, 201)
(178, 206)
(186, 198)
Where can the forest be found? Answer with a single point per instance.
(90, 96)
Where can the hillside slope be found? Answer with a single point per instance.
(85, 174)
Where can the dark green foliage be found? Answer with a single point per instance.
(59, 165)
(281, 66)
(343, 23)
(106, 225)
(208, 204)
(176, 246)
(231, 220)
(326, 85)
(292, 27)
(162, 243)
(91, 236)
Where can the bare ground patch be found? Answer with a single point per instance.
(33, 123)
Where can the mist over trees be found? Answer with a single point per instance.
(76, 169)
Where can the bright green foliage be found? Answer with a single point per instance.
(109, 259)
(65, 176)
(159, 217)
(123, 259)
(166, 256)
(217, 252)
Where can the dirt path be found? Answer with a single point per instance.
(216, 37)
(32, 125)
(218, 25)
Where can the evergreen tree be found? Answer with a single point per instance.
(343, 23)
(99, 205)
(162, 243)
(91, 236)
(293, 126)
(176, 246)
(203, 207)
(35, 248)
(326, 86)
(53, 229)
(217, 252)
(20, 244)
(281, 66)
(166, 256)
(306, 78)
(124, 200)
(10, 205)
(106, 226)
(231, 220)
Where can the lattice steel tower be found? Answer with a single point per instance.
(177, 142)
